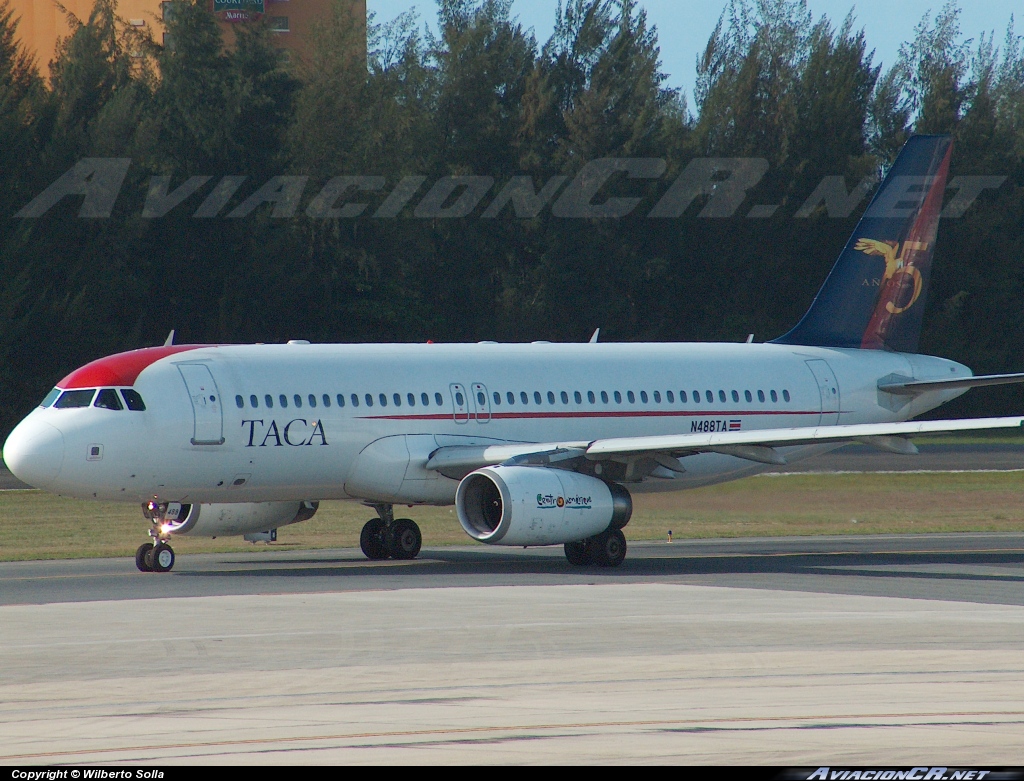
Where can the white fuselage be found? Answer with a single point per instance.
(220, 441)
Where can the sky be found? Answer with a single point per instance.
(684, 26)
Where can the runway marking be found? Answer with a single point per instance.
(844, 719)
(355, 564)
(888, 472)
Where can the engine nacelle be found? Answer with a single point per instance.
(217, 520)
(528, 505)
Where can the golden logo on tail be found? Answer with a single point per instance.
(896, 262)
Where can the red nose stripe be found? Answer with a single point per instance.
(121, 369)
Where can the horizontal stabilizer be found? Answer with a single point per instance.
(916, 387)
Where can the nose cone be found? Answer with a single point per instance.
(34, 452)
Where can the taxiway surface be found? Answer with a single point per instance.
(793, 651)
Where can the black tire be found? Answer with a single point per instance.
(143, 560)
(404, 539)
(609, 548)
(579, 553)
(371, 540)
(162, 557)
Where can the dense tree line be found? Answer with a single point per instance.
(483, 98)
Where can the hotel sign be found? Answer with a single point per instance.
(238, 10)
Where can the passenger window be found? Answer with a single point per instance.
(355, 400)
(312, 401)
(239, 401)
(775, 396)
(631, 397)
(604, 397)
(460, 400)
(369, 400)
(50, 398)
(397, 398)
(709, 396)
(439, 399)
(425, 399)
(669, 396)
(760, 396)
(107, 399)
(565, 397)
(269, 400)
(747, 396)
(523, 397)
(643, 396)
(696, 397)
(511, 397)
(327, 399)
(497, 398)
(735, 396)
(657, 397)
(283, 400)
(298, 401)
(578, 398)
(721, 396)
(383, 399)
(618, 397)
(591, 398)
(341, 400)
(785, 395)
(551, 398)
(254, 401)
(411, 398)
(536, 397)
(481, 399)
(134, 400)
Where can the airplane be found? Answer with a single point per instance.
(535, 444)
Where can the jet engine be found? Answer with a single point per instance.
(528, 505)
(216, 520)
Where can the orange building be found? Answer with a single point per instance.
(41, 22)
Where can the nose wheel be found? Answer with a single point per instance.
(154, 558)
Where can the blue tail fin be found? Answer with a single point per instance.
(874, 296)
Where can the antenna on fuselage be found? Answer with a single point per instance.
(750, 338)
(593, 339)
(170, 339)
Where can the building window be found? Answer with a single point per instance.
(279, 24)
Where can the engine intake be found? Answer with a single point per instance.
(524, 505)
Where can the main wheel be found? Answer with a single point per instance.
(609, 548)
(579, 553)
(371, 540)
(143, 561)
(404, 539)
(162, 557)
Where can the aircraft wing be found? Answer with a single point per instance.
(915, 387)
(752, 445)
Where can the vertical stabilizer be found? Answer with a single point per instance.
(874, 296)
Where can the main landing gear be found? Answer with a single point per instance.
(157, 555)
(607, 549)
(390, 537)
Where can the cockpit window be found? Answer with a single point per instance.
(50, 398)
(107, 399)
(75, 398)
(134, 400)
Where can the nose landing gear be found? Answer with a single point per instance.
(155, 556)
(390, 537)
